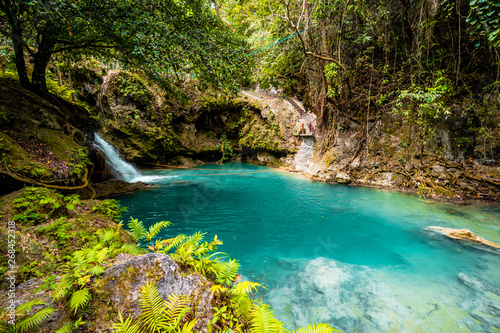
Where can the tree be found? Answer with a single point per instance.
(164, 38)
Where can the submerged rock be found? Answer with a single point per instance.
(462, 234)
(122, 282)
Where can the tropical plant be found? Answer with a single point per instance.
(25, 322)
(139, 231)
(157, 315)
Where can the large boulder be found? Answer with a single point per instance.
(121, 283)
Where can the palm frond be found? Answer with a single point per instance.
(137, 229)
(155, 229)
(227, 272)
(316, 328)
(262, 319)
(244, 287)
(127, 326)
(31, 321)
(80, 298)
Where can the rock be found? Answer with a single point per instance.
(122, 282)
(462, 234)
(342, 178)
(116, 187)
(185, 162)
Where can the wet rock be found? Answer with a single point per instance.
(122, 282)
(185, 162)
(342, 178)
(462, 234)
(115, 187)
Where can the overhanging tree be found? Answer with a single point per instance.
(160, 37)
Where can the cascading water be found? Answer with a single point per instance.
(124, 170)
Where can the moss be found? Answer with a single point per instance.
(59, 143)
(443, 191)
(17, 159)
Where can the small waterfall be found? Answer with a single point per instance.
(124, 170)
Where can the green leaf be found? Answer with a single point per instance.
(80, 299)
(34, 320)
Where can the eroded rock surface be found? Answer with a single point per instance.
(122, 282)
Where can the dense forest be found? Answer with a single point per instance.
(397, 94)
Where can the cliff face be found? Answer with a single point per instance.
(392, 156)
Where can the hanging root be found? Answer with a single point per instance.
(47, 184)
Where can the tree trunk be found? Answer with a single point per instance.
(38, 79)
(19, 60)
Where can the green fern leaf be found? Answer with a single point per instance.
(317, 328)
(262, 320)
(177, 307)
(137, 229)
(79, 299)
(34, 320)
(188, 327)
(175, 242)
(227, 272)
(130, 248)
(26, 307)
(68, 328)
(244, 287)
(127, 326)
(96, 270)
(63, 287)
(153, 308)
(155, 229)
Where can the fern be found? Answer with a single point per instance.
(96, 270)
(63, 287)
(153, 307)
(177, 307)
(137, 229)
(127, 326)
(188, 327)
(317, 328)
(26, 307)
(262, 319)
(174, 242)
(155, 229)
(31, 321)
(227, 272)
(130, 248)
(80, 299)
(70, 327)
(244, 287)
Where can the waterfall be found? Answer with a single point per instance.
(124, 170)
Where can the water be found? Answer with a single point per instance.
(122, 169)
(359, 259)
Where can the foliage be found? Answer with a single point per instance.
(110, 208)
(225, 147)
(424, 106)
(37, 204)
(157, 37)
(484, 19)
(26, 321)
(157, 315)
